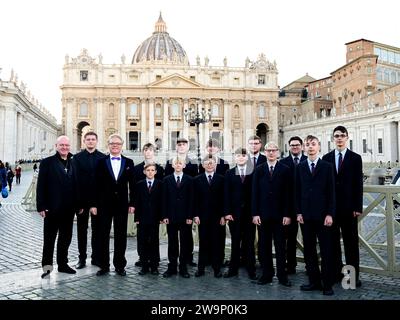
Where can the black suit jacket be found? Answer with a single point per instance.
(114, 195)
(209, 199)
(56, 189)
(237, 195)
(148, 205)
(222, 167)
(139, 175)
(315, 194)
(348, 183)
(190, 169)
(260, 160)
(271, 195)
(177, 202)
(85, 164)
(289, 161)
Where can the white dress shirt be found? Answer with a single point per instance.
(116, 166)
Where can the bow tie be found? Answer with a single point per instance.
(116, 158)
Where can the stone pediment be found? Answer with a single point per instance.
(175, 81)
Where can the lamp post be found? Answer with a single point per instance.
(196, 116)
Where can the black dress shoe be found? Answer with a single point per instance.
(66, 269)
(121, 272)
(184, 274)
(327, 291)
(138, 263)
(143, 271)
(310, 287)
(199, 273)
(263, 280)
(285, 283)
(154, 271)
(81, 264)
(252, 276)
(169, 273)
(231, 273)
(102, 272)
(217, 274)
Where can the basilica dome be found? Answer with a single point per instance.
(160, 48)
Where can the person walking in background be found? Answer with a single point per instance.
(10, 177)
(3, 177)
(35, 167)
(18, 171)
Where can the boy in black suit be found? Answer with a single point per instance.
(237, 208)
(209, 195)
(270, 198)
(292, 160)
(147, 203)
(349, 196)
(178, 215)
(315, 196)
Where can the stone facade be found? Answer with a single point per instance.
(145, 101)
(27, 130)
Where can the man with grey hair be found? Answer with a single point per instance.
(56, 202)
(114, 179)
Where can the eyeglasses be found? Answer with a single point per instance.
(271, 150)
(295, 145)
(115, 143)
(254, 143)
(342, 135)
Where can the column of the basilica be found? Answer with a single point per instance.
(248, 127)
(10, 134)
(151, 121)
(185, 123)
(25, 140)
(122, 123)
(227, 147)
(143, 122)
(165, 125)
(19, 136)
(273, 122)
(99, 124)
(206, 126)
(201, 127)
(68, 119)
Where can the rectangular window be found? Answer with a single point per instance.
(261, 79)
(133, 110)
(391, 56)
(158, 77)
(215, 111)
(364, 144)
(380, 145)
(84, 75)
(174, 110)
(193, 78)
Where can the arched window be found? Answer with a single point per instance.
(236, 111)
(133, 110)
(174, 110)
(158, 110)
(262, 111)
(111, 109)
(83, 109)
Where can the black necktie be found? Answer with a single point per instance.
(242, 176)
(312, 168)
(149, 186)
(296, 161)
(271, 170)
(209, 179)
(255, 162)
(178, 181)
(340, 161)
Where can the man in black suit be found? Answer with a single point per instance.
(85, 163)
(315, 196)
(178, 216)
(292, 160)
(191, 169)
(237, 209)
(148, 207)
(270, 198)
(209, 216)
(212, 149)
(255, 156)
(56, 202)
(349, 196)
(113, 201)
(149, 157)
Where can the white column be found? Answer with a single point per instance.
(10, 134)
(19, 136)
(201, 127)
(185, 123)
(151, 121)
(99, 124)
(143, 121)
(122, 124)
(68, 118)
(248, 128)
(25, 140)
(206, 126)
(227, 147)
(2, 129)
(165, 124)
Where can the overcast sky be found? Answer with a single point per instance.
(305, 36)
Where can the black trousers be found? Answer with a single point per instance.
(272, 230)
(179, 235)
(60, 223)
(347, 226)
(148, 241)
(211, 244)
(17, 179)
(313, 230)
(291, 243)
(243, 233)
(119, 218)
(82, 226)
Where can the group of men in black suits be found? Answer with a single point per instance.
(323, 195)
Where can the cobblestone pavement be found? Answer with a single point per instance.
(20, 254)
